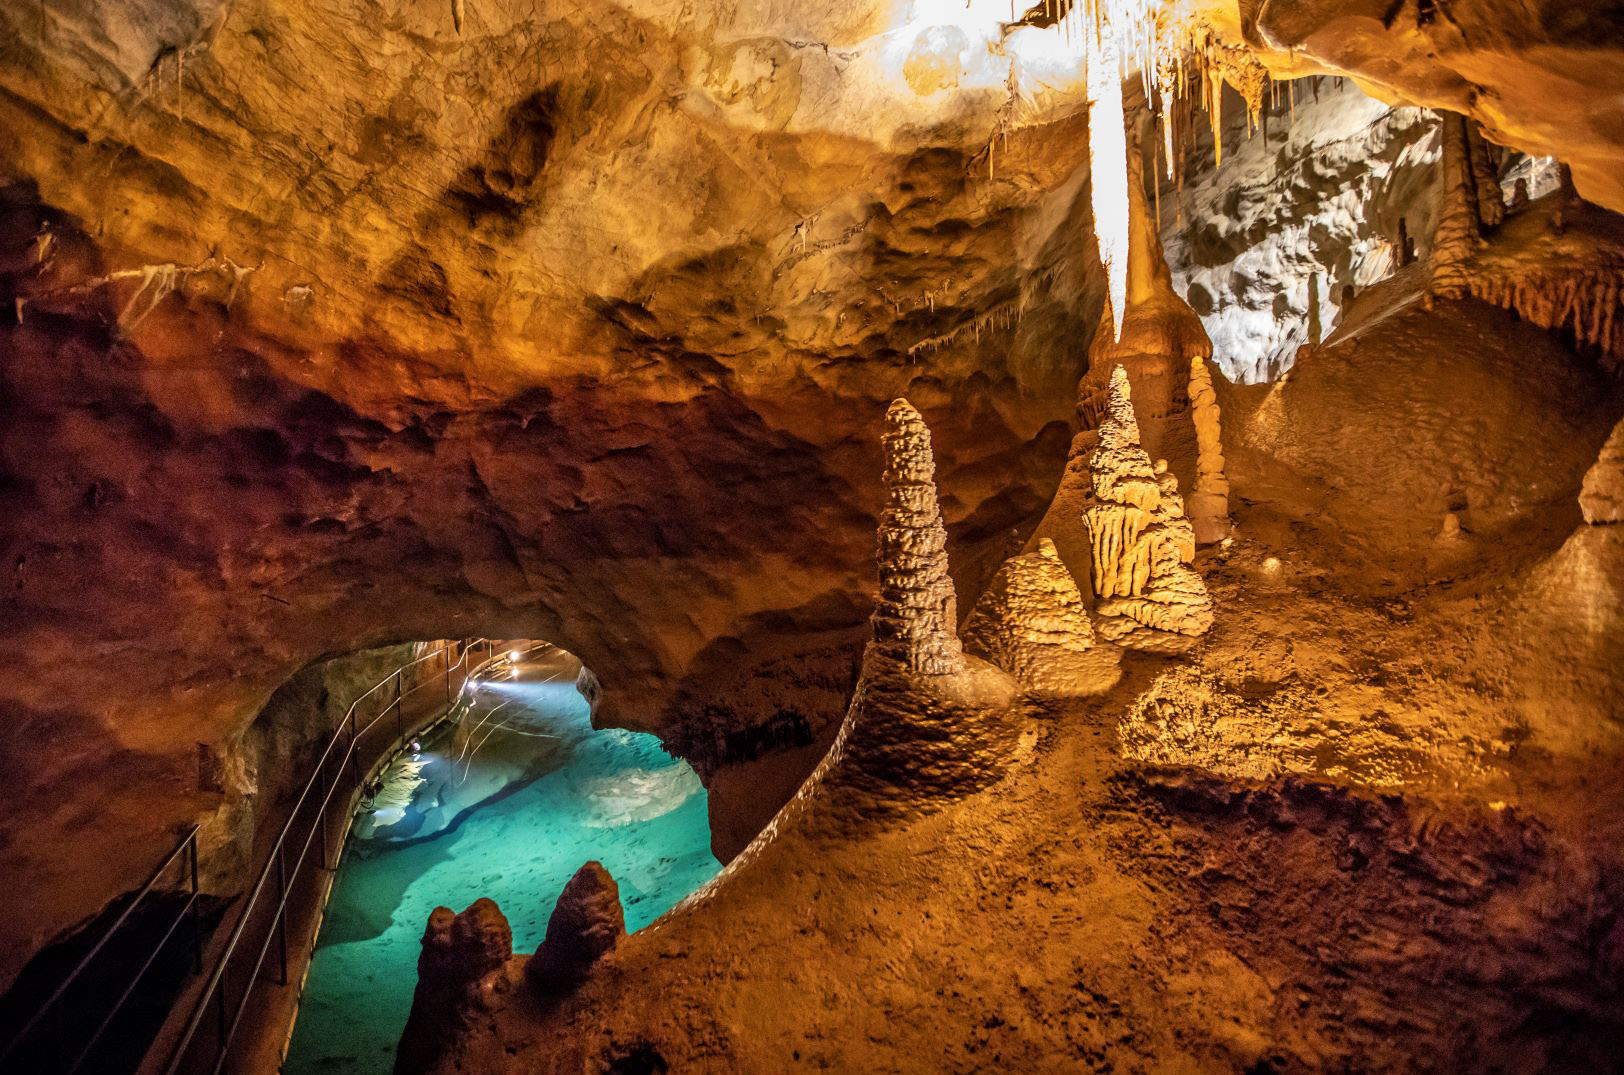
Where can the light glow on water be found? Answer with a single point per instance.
(610, 795)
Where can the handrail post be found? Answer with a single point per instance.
(320, 822)
(282, 905)
(197, 912)
(354, 776)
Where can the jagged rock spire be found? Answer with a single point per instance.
(1141, 542)
(917, 615)
(586, 923)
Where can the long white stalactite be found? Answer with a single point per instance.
(1108, 160)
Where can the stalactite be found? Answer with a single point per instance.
(1584, 302)
(1108, 165)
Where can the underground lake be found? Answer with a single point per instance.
(507, 800)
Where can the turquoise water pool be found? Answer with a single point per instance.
(509, 804)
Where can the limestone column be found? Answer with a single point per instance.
(1458, 235)
(915, 622)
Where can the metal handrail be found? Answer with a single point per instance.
(276, 858)
(187, 847)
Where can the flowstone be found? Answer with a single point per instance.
(1033, 623)
(1150, 598)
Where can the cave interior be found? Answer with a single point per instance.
(1110, 517)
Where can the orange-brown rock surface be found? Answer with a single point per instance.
(586, 923)
(327, 328)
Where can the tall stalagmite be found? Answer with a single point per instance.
(1209, 501)
(1459, 234)
(916, 620)
(1150, 598)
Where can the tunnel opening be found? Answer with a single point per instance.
(504, 796)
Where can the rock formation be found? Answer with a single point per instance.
(1459, 234)
(1491, 203)
(1033, 623)
(1145, 587)
(1601, 498)
(1160, 334)
(1209, 501)
(916, 619)
(459, 972)
(926, 723)
(586, 924)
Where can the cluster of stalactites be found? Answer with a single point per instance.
(916, 619)
(1141, 544)
(1582, 299)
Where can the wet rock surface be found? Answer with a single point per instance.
(586, 924)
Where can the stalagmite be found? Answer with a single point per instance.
(459, 972)
(1138, 555)
(1458, 236)
(1032, 622)
(1601, 497)
(1491, 205)
(1313, 310)
(926, 723)
(1126, 492)
(1209, 501)
(917, 614)
(586, 923)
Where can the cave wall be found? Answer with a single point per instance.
(325, 361)
(1318, 187)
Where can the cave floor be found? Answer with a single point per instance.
(1219, 866)
(518, 794)
(1372, 823)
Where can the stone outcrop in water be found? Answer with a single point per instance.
(587, 922)
(915, 622)
(1149, 595)
(1601, 498)
(1033, 623)
(459, 973)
